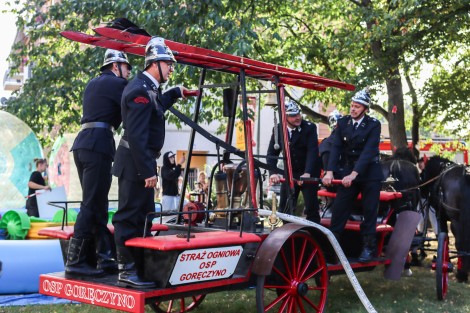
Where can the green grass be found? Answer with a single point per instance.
(410, 294)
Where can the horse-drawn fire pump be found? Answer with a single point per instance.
(238, 243)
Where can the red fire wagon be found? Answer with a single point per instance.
(237, 243)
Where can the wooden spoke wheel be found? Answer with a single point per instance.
(443, 266)
(179, 305)
(299, 278)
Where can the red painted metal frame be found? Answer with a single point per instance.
(288, 168)
(128, 300)
(250, 163)
(205, 58)
(201, 240)
(179, 47)
(384, 195)
(98, 293)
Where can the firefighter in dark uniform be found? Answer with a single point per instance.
(354, 157)
(93, 152)
(325, 146)
(143, 107)
(303, 146)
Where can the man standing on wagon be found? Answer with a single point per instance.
(303, 146)
(354, 157)
(143, 107)
(93, 153)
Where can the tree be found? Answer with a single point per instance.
(367, 43)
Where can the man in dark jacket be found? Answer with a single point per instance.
(303, 146)
(325, 146)
(143, 107)
(171, 171)
(93, 152)
(354, 158)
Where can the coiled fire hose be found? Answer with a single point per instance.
(339, 252)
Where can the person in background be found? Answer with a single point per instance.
(36, 182)
(354, 158)
(325, 146)
(93, 153)
(303, 146)
(202, 185)
(143, 107)
(158, 187)
(171, 172)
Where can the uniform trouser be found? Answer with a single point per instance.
(309, 192)
(94, 172)
(343, 205)
(135, 201)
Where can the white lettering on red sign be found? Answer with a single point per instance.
(88, 294)
(205, 264)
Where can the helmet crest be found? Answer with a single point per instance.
(362, 97)
(333, 118)
(114, 56)
(157, 50)
(292, 108)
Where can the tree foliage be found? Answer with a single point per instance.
(368, 43)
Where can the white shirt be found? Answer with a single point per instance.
(151, 78)
(358, 122)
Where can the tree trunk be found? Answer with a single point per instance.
(415, 112)
(396, 114)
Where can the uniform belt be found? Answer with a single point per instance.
(97, 125)
(125, 144)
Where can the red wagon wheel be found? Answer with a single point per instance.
(179, 305)
(299, 278)
(443, 266)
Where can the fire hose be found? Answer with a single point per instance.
(339, 252)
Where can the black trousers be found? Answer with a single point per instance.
(32, 207)
(135, 201)
(309, 192)
(343, 205)
(94, 172)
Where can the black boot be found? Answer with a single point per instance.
(127, 271)
(77, 266)
(106, 254)
(369, 249)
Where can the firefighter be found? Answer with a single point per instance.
(354, 158)
(143, 109)
(303, 146)
(325, 145)
(93, 152)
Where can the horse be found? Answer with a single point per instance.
(448, 192)
(401, 174)
(401, 166)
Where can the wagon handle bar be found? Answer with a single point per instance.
(191, 93)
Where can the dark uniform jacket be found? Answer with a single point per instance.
(325, 145)
(303, 148)
(101, 103)
(356, 150)
(143, 108)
